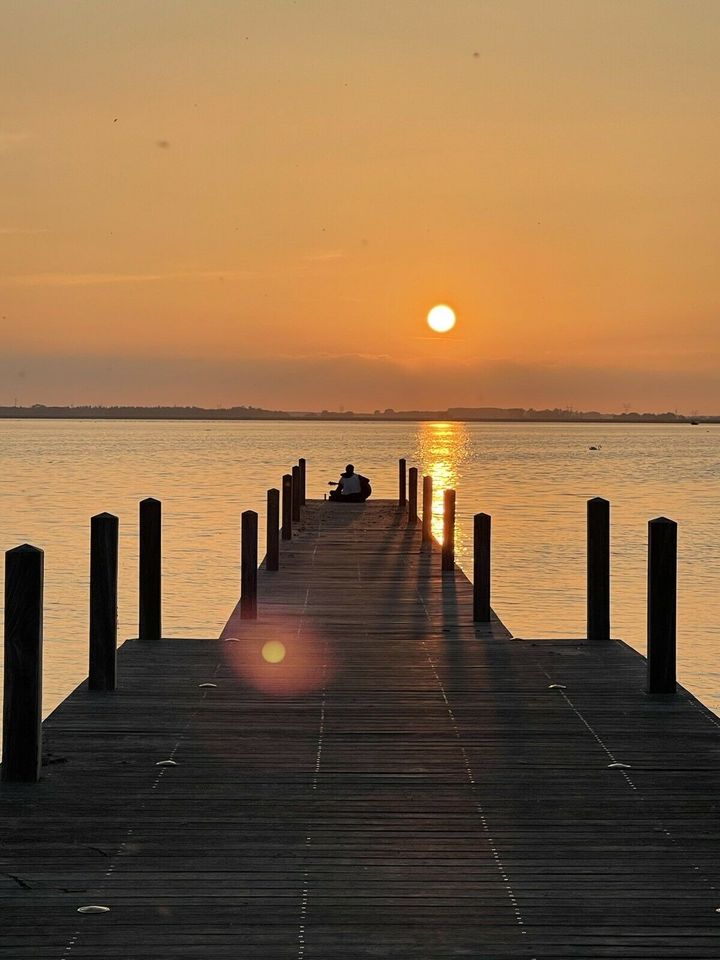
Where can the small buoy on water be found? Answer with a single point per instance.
(618, 766)
(166, 763)
(557, 686)
(93, 908)
(205, 685)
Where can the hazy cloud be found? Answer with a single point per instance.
(358, 382)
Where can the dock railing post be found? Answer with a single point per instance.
(296, 494)
(302, 463)
(102, 668)
(402, 477)
(22, 707)
(481, 567)
(413, 495)
(272, 531)
(287, 485)
(662, 605)
(448, 545)
(248, 565)
(598, 569)
(150, 627)
(427, 510)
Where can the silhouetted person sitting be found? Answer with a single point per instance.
(352, 487)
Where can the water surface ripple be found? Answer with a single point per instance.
(533, 479)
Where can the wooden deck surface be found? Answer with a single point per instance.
(403, 784)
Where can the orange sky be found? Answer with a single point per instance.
(257, 202)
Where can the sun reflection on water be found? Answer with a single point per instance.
(442, 447)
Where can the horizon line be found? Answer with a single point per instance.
(250, 412)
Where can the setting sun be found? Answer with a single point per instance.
(441, 318)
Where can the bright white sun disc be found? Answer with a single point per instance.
(441, 318)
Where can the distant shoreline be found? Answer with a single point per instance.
(453, 414)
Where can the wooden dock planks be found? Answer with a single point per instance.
(404, 783)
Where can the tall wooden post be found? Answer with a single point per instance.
(302, 463)
(448, 546)
(287, 486)
(22, 707)
(427, 510)
(413, 496)
(150, 569)
(481, 567)
(296, 492)
(598, 569)
(248, 565)
(272, 531)
(662, 605)
(103, 601)
(402, 477)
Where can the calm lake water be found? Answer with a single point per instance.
(533, 479)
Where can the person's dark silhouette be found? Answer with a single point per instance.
(352, 487)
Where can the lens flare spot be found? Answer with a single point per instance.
(278, 659)
(274, 651)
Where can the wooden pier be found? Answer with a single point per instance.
(363, 771)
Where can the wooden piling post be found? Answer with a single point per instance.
(661, 606)
(413, 495)
(296, 494)
(448, 546)
(248, 565)
(272, 553)
(481, 567)
(287, 486)
(598, 569)
(427, 510)
(302, 463)
(402, 476)
(103, 601)
(150, 569)
(22, 707)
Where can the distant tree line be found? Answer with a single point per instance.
(40, 411)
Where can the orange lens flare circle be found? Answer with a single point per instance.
(285, 663)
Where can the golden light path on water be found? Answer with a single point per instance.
(442, 449)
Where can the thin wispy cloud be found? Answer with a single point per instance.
(8, 141)
(325, 255)
(21, 231)
(94, 279)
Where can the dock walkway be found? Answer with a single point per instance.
(370, 775)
